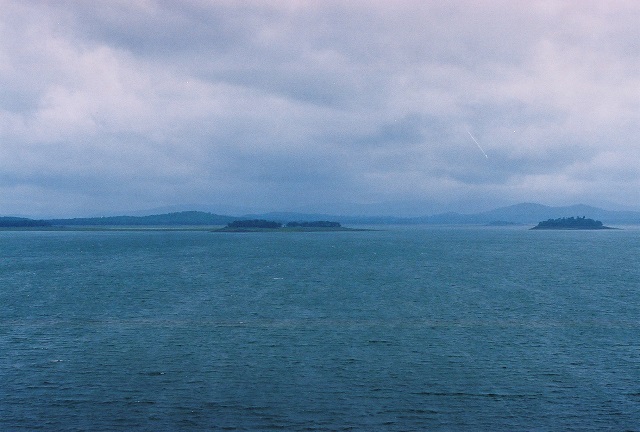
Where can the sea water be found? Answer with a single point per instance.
(427, 328)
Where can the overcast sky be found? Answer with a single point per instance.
(116, 106)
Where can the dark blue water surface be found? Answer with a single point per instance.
(460, 329)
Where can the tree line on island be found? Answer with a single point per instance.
(571, 223)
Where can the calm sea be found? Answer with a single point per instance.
(439, 329)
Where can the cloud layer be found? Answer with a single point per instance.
(125, 105)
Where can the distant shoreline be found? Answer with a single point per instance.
(151, 228)
(98, 228)
(524, 214)
(288, 229)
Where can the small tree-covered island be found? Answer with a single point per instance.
(571, 223)
(261, 225)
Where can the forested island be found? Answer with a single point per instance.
(571, 223)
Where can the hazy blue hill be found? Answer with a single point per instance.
(532, 213)
(524, 213)
(187, 218)
(345, 219)
(451, 218)
(18, 222)
(286, 216)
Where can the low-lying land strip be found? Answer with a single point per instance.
(261, 225)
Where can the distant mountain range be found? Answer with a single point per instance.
(185, 218)
(525, 213)
(530, 213)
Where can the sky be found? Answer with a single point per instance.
(342, 107)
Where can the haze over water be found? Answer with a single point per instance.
(434, 328)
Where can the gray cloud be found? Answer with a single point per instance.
(281, 105)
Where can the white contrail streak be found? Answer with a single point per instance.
(477, 143)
